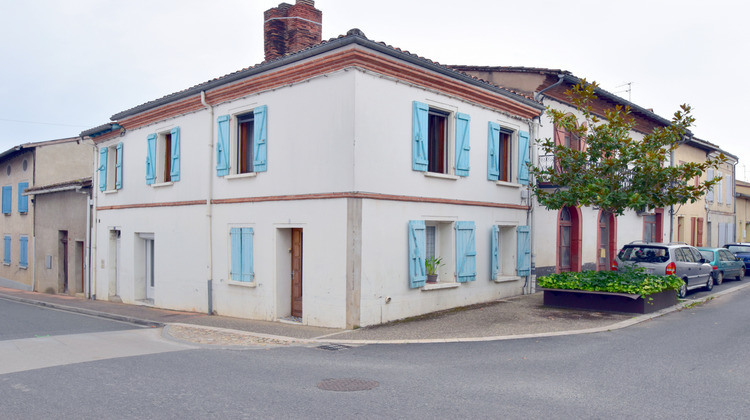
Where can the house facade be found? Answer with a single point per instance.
(313, 187)
(33, 251)
(577, 238)
(708, 222)
(742, 193)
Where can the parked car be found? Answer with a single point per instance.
(742, 251)
(724, 264)
(679, 259)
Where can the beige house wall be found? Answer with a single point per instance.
(13, 170)
(743, 211)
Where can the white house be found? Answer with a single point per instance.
(313, 186)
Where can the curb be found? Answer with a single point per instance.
(684, 304)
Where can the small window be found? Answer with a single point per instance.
(437, 141)
(7, 199)
(110, 167)
(435, 148)
(439, 244)
(241, 242)
(504, 251)
(163, 157)
(241, 147)
(245, 129)
(649, 228)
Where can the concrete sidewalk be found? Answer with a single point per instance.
(517, 317)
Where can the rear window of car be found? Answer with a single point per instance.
(734, 249)
(654, 254)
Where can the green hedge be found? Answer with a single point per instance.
(634, 281)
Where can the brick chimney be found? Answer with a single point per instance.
(291, 28)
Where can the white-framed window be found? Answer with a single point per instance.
(440, 140)
(110, 167)
(241, 254)
(453, 242)
(163, 157)
(504, 252)
(242, 140)
(507, 154)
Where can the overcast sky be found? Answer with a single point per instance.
(67, 66)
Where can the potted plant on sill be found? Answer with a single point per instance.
(432, 264)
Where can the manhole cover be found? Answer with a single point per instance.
(347, 384)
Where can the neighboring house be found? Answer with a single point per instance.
(577, 238)
(31, 223)
(708, 222)
(742, 189)
(313, 186)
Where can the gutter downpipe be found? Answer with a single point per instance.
(671, 207)
(209, 199)
(529, 287)
(560, 78)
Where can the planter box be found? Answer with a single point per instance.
(609, 302)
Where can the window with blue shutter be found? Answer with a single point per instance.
(260, 134)
(419, 136)
(118, 166)
(7, 199)
(523, 157)
(523, 265)
(151, 159)
(23, 200)
(174, 167)
(6, 250)
(493, 149)
(730, 189)
(710, 193)
(462, 144)
(102, 168)
(495, 251)
(242, 254)
(23, 260)
(417, 269)
(222, 146)
(466, 252)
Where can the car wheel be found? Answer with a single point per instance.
(719, 277)
(710, 283)
(742, 274)
(682, 291)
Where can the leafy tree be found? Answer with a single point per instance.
(613, 171)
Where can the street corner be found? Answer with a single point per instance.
(223, 338)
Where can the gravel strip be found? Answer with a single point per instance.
(220, 337)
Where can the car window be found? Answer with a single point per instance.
(726, 255)
(734, 249)
(696, 254)
(709, 255)
(687, 255)
(646, 253)
(679, 255)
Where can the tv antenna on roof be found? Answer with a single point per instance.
(628, 89)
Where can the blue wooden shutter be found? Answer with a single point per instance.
(151, 159)
(23, 201)
(118, 166)
(419, 137)
(495, 250)
(247, 254)
(523, 157)
(710, 193)
(493, 149)
(6, 249)
(235, 235)
(462, 144)
(417, 269)
(174, 171)
(729, 189)
(23, 260)
(222, 146)
(7, 199)
(523, 265)
(103, 168)
(260, 134)
(466, 252)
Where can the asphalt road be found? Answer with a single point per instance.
(688, 364)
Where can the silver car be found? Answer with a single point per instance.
(680, 259)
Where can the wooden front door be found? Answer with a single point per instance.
(297, 272)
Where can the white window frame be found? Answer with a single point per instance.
(507, 248)
(444, 247)
(450, 140)
(111, 168)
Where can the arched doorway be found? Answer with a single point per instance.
(607, 240)
(569, 239)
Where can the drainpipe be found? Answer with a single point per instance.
(671, 207)
(529, 287)
(209, 199)
(537, 95)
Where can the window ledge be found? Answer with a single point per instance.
(438, 286)
(506, 279)
(507, 184)
(441, 176)
(23, 267)
(162, 184)
(109, 191)
(250, 284)
(6, 263)
(241, 176)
